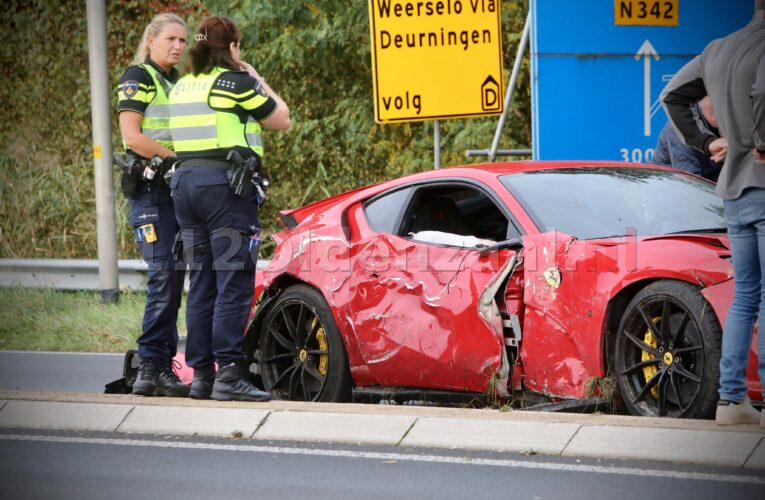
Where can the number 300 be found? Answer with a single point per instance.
(636, 155)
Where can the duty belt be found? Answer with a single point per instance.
(204, 162)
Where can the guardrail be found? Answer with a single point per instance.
(72, 274)
(68, 274)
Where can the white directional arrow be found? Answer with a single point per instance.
(646, 51)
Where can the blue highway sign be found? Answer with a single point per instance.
(598, 68)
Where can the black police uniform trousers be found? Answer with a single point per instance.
(216, 226)
(159, 337)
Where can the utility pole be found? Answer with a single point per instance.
(108, 277)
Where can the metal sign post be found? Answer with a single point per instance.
(108, 278)
(511, 87)
(437, 144)
(494, 151)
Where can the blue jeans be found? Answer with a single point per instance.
(745, 217)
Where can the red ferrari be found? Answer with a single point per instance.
(534, 281)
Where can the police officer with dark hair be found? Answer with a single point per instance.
(144, 124)
(217, 111)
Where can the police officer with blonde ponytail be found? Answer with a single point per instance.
(218, 109)
(144, 123)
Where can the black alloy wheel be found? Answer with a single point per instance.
(668, 352)
(301, 355)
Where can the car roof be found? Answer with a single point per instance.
(477, 170)
(497, 169)
(510, 167)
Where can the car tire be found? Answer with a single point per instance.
(301, 354)
(667, 352)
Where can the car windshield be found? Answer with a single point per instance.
(604, 202)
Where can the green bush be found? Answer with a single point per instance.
(47, 192)
(316, 55)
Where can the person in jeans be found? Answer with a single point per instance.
(731, 70)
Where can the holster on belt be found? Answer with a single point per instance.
(178, 254)
(247, 174)
(240, 174)
(132, 168)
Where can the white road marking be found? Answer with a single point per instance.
(445, 459)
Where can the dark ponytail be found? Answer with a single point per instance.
(213, 45)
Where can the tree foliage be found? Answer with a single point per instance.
(316, 55)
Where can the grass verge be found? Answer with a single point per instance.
(51, 320)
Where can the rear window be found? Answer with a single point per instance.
(604, 202)
(383, 213)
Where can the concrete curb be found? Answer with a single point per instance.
(572, 435)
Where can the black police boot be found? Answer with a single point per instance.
(146, 380)
(168, 383)
(231, 386)
(202, 384)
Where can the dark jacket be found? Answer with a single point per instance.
(672, 151)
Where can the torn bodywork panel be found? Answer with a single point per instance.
(564, 326)
(410, 313)
(418, 318)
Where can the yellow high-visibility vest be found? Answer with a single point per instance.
(156, 117)
(203, 115)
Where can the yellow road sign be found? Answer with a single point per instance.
(646, 12)
(435, 59)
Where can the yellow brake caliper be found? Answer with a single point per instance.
(321, 338)
(650, 371)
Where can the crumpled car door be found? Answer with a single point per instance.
(416, 314)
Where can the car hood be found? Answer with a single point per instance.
(713, 239)
(703, 258)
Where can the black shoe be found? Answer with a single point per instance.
(202, 384)
(146, 380)
(168, 383)
(231, 386)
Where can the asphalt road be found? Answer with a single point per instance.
(58, 371)
(53, 464)
(97, 466)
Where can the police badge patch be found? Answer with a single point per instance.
(130, 88)
(259, 89)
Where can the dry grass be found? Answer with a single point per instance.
(600, 387)
(49, 210)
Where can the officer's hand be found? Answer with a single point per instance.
(249, 69)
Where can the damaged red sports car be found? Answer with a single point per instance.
(542, 281)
